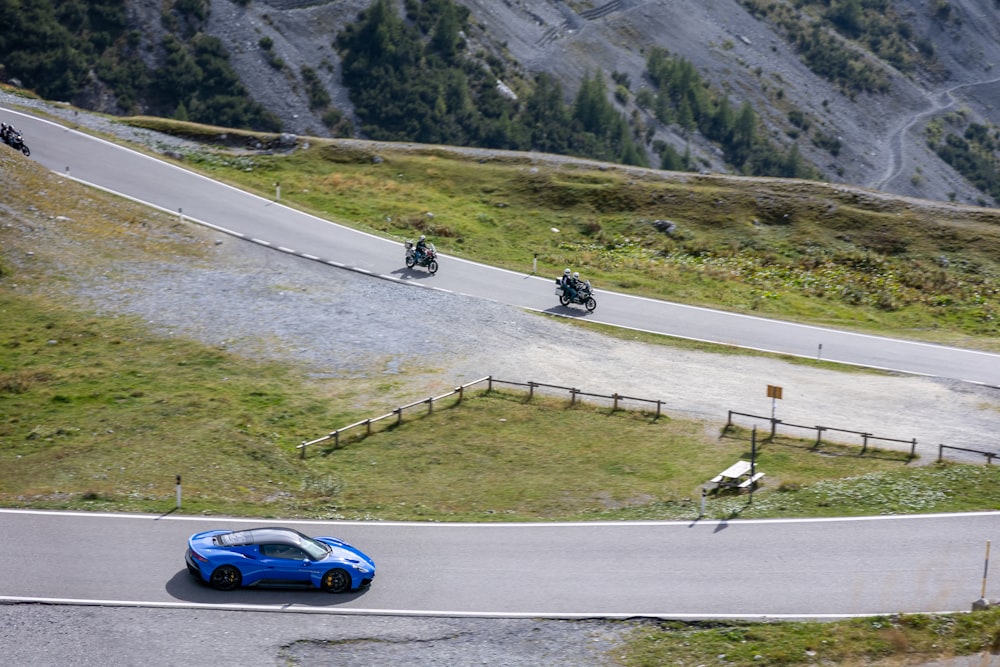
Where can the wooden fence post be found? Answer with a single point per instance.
(368, 426)
(531, 389)
(430, 405)
(658, 404)
(572, 396)
(819, 435)
(302, 449)
(399, 415)
(864, 442)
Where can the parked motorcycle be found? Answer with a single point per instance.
(428, 259)
(16, 141)
(584, 296)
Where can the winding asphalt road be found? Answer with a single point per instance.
(196, 198)
(700, 569)
(781, 569)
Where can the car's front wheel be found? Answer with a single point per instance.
(226, 578)
(337, 581)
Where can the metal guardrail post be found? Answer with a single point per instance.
(614, 396)
(461, 393)
(368, 426)
(913, 449)
(430, 405)
(531, 389)
(940, 452)
(658, 404)
(819, 435)
(302, 450)
(489, 383)
(336, 439)
(399, 415)
(864, 442)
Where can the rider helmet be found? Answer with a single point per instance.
(576, 274)
(566, 272)
(422, 237)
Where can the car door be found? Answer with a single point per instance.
(285, 564)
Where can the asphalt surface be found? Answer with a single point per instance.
(680, 570)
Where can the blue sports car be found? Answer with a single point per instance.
(228, 559)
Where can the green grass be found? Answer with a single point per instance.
(882, 641)
(97, 413)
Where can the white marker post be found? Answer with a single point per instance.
(178, 491)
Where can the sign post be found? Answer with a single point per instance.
(774, 393)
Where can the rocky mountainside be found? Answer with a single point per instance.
(881, 136)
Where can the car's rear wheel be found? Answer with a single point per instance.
(226, 578)
(337, 581)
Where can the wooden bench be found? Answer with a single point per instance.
(750, 481)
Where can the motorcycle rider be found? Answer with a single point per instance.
(568, 284)
(420, 250)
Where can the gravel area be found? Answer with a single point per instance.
(58, 635)
(416, 342)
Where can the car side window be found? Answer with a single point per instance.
(282, 551)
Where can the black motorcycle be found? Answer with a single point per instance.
(16, 141)
(584, 296)
(427, 259)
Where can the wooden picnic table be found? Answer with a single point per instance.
(738, 474)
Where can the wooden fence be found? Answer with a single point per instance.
(989, 455)
(865, 437)
(616, 401)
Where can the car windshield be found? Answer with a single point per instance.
(314, 548)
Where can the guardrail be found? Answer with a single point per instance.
(865, 437)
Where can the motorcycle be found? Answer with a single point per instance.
(584, 296)
(16, 141)
(427, 260)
